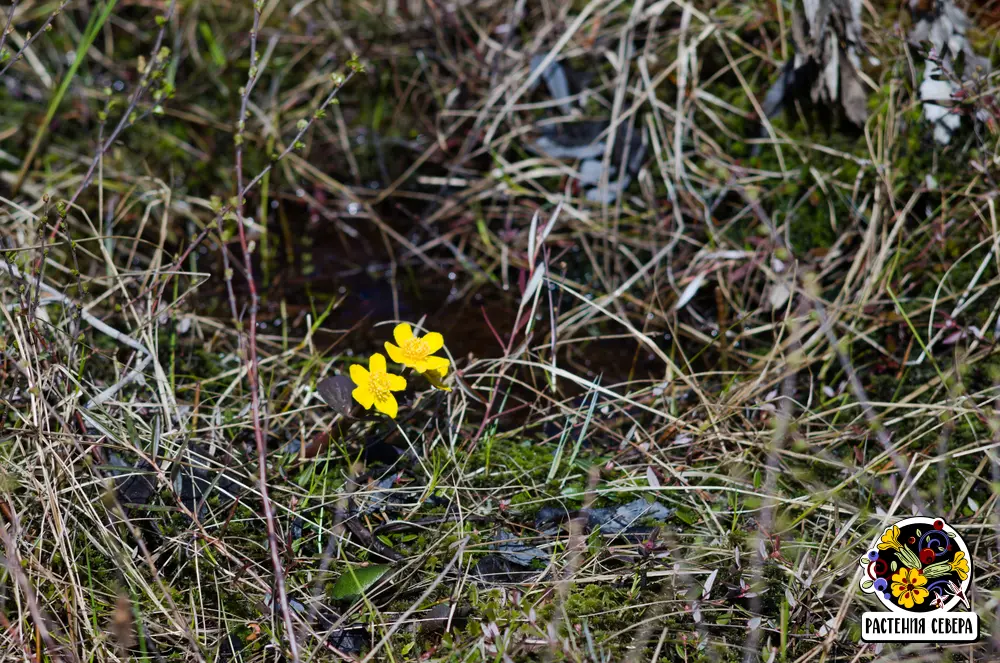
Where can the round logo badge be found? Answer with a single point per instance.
(918, 565)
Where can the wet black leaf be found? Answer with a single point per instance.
(351, 639)
(198, 478)
(437, 618)
(138, 488)
(348, 639)
(556, 81)
(625, 518)
(336, 392)
(376, 496)
(497, 570)
(229, 648)
(551, 515)
(515, 550)
(298, 528)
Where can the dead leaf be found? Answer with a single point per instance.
(690, 291)
(336, 392)
(122, 626)
(779, 295)
(651, 477)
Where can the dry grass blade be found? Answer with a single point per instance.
(711, 323)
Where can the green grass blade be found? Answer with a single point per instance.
(90, 33)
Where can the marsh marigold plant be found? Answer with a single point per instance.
(416, 352)
(375, 386)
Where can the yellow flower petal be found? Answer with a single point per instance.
(395, 353)
(388, 406)
(917, 578)
(402, 333)
(359, 374)
(437, 381)
(364, 396)
(396, 382)
(919, 594)
(434, 341)
(436, 364)
(376, 363)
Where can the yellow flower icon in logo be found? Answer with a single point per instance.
(890, 539)
(960, 565)
(908, 586)
(375, 386)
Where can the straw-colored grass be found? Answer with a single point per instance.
(784, 334)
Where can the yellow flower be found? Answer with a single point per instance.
(908, 587)
(436, 378)
(960, 565)
(375, 385)
(890, 539)
(416, 352)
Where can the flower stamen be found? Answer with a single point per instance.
(415, 349)
(379, 384)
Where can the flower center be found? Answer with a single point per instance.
(379, 385)
(414, 349)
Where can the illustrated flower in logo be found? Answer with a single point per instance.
(908, 587)
(917, 565)
(890, 539)
(960, 565)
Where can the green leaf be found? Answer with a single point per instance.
(894, 565)
(689, 516)
(94, 25)
(355, 582)
(867, 584)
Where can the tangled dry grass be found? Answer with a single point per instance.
(776, 335)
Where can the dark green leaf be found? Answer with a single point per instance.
(689, 516)
(355, 582)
